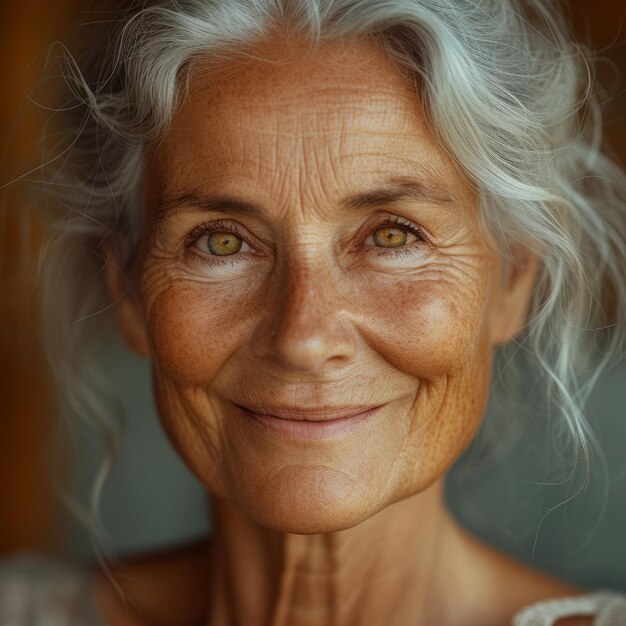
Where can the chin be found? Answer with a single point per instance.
(308, 501)
(308, 520)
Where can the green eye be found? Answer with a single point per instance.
(224, 243)
(390, 237)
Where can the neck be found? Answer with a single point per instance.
(397, 567)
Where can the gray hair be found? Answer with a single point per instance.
(504, 87)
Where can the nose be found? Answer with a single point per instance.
(307, 327)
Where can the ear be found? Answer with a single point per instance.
(511, 302)
(128, 313)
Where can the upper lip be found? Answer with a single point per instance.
(310, 414)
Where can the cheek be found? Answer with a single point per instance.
(433, 328)
(426, 328)
(195, 328)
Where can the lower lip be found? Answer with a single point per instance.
(305, 429)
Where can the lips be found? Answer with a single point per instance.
(309, 423)
(316, 414)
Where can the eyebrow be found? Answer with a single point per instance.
(391, 192)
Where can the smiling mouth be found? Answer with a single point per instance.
(305, 423)
(312, 414)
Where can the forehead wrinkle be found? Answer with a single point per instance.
(313, 172)
(386, 118)
(355, 103)
(289, 162)
(323, 93)
(353, 106)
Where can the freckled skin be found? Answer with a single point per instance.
(408, 333)
(312, 315)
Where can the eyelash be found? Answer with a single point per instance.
(222, 226)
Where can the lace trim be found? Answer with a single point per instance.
(608, 608)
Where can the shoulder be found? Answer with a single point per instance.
(518, 594)
(39, 588)
(540, 599)
(168, 587)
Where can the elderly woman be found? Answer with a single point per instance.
(318, 219)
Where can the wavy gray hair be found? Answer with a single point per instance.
(506, 90)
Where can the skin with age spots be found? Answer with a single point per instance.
(310, 314)
(308, 244)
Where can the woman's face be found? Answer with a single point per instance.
(311, 252)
